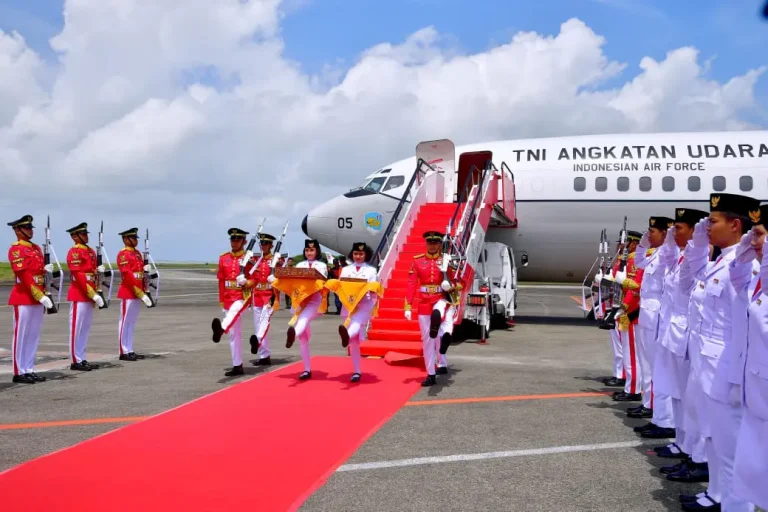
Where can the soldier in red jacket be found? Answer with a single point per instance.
(234, 292)
(264, 297)
(28, 299)
(131, 293)
(630, 280)
(437, 304)
(82, 295)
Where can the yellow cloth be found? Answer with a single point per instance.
(350, 294)
(300, 289)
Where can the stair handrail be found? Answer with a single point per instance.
(466, 223)
(384, 244)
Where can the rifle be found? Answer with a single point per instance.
(57, 272)
(597, 295)
(101, 255)
(275, 257)
(249, 250)
(616, 292)
(152, 275)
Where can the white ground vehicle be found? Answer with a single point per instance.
(492, 300)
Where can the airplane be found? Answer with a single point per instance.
(568, 189)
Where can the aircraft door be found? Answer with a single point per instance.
(473, 162)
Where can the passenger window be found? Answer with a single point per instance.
(645, 184)
(718, 183)
(622, 184)
(394, 182)
(667, 183)
(745, 183)
(694, 183)
(579, 184)
(601, 184)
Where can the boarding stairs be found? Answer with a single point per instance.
(486, 199)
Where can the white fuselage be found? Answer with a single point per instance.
(568, 189)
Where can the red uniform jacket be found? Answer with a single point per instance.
(130, 262)
(424, 278)
(262, 290)
(28, 265)
(631, 286)
(81, 260)
(229, 269)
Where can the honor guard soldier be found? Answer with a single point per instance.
(619, 378)
(27, 298)
(630, 281)
(264, 299)
(82, 295)
(437, 304)
(649, 257)
(713, 349)
(132, 291)
(234, 294)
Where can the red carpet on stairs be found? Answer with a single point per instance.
(266, 444)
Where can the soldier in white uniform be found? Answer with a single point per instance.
(712, 347)
(311, 306)
(650, 258)
(359, 268)
(751, 463)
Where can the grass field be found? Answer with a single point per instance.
(6, 274)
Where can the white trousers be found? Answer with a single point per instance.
(431, 346)
(303, 326)
(725, 422)
(27, 324)
(360, 317)
(644, 340)
(129, 313)
(261, 317)
(661, 402)
(618, 361)
(750, 472)
(80, 320)
(696, 433)
(235, 333)
(630, 358)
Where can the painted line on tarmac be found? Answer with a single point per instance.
(130, 419)
(485, 456)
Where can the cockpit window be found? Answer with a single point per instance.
(394, 182)
(375, 184)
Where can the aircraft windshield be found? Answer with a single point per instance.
(375, 184)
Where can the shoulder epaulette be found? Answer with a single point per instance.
(223, 254)
(418, 256)
(631, 255)
(650, 251)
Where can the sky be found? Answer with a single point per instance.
(189, 117)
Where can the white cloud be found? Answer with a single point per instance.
(124, 132)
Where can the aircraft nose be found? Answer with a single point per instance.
(304, 225)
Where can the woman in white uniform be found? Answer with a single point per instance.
(360, 268)
(750, 472)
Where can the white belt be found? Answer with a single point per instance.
(430, 288)
(39, 280)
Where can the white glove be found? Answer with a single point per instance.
(271, 278)
(98, 300)
(620, 277)
(598, 276)
(45, 301)
(446, 286)
(734, 397)
(240, 280)
(100, 269)
(745, 253)
(147, 268)
(670, 240)
(49, 268)
(700, 236)
(146, 300)
(645, 241)
(408, 315)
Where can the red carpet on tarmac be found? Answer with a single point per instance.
(266, 444)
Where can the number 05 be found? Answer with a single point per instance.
(344, 222)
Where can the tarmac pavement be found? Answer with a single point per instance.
(571, 449)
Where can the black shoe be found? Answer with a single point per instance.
(236, 370)
(217, 330)
(24, 379)
(628, 397)
(429, 381)
(90, 365)
(81, 366)
(36, 377)
(344, 336)
(291, 337)
(691, 506)
(264, 361)
(634, 409)
(613, 382)
(445, 342)
(658, 433)
(254, 341)
(668, 470)
(693, 473)
(442, 370)
(137, 356)
(434, 324)
(127, 357)
(666, 452)
(642, 413)
(305, 375)
(644, 428)
(355, 377)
